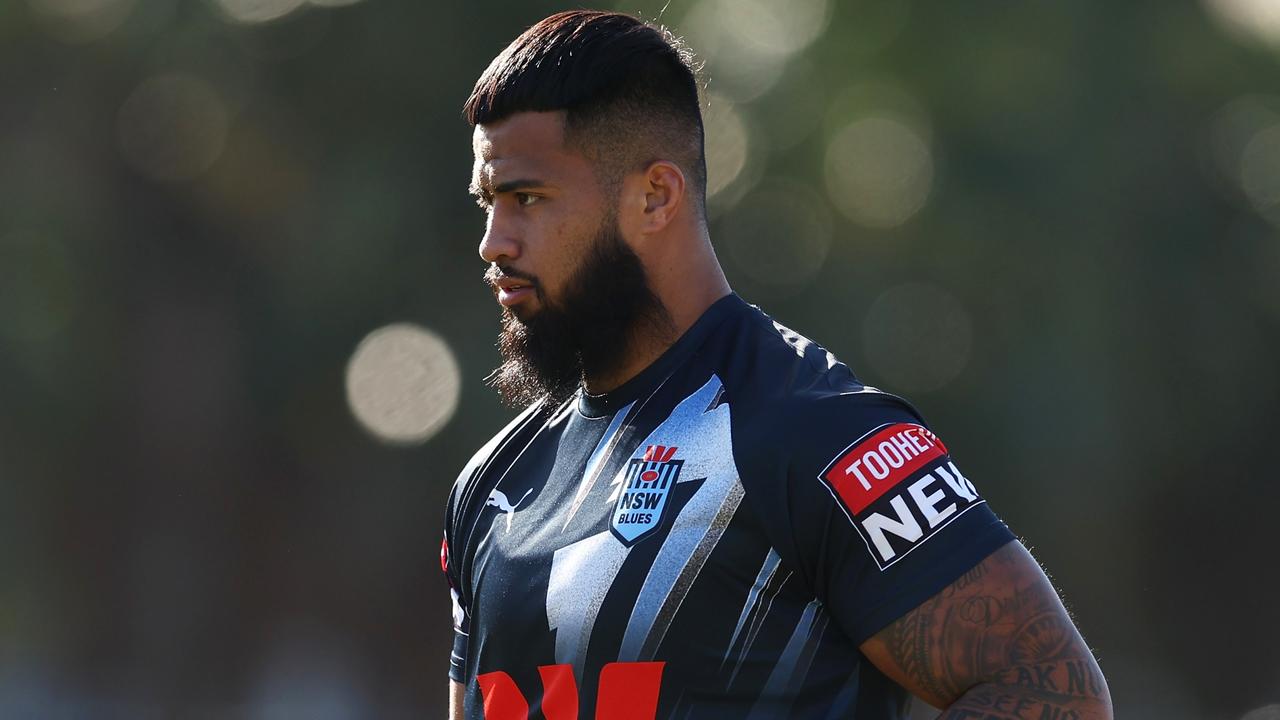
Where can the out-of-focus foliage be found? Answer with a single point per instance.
(1054, 226)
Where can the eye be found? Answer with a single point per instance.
(525, 199)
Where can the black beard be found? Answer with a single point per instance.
(606, 303)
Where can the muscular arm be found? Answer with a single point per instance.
(996, 644)
(456, 691)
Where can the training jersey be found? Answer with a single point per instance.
(712, 539)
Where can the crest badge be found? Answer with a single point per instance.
(646, 488)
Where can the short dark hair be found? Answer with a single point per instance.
(628, 89)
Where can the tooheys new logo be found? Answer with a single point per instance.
(898, 486)
(646, 485)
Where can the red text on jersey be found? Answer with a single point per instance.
(875, 464)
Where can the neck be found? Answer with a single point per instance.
(686, 285)
(644, 345)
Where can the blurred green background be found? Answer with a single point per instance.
(243, 333)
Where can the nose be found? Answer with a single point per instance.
(499, 242)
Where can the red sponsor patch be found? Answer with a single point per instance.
(880, 460)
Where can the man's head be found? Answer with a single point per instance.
(588, 143)
(626, 92)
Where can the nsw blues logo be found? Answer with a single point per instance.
(645, 492)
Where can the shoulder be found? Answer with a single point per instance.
(791, 394)
(768, 360)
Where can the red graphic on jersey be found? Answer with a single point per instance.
(559, 692)
(873, 465)
(656, 453)
(659, 453)
(627, 691)
(502, 699)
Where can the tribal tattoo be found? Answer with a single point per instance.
(996, 644)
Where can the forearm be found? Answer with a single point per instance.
(1060, 690)
(456, 693)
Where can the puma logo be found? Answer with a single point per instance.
(498, 499)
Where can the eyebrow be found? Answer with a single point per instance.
(480, 191)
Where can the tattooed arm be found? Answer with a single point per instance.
(996, 644)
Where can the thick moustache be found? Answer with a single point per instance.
(509, 283)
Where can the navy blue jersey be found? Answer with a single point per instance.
(712, 539)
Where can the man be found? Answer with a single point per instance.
(701, 514)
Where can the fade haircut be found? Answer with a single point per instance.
(628, 90)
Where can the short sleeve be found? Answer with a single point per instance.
(879, 516)
(458, 657)
(461, 617)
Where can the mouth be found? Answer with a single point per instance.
(510, 290)
(509, 295)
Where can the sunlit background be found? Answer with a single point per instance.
(243, 335)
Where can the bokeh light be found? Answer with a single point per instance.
(80, 21)
(403, 383)
(1260, 168)
(917, 338)
(747, 43)
(779, 234)
(1248, 19)
(773, 28)
(728, 143)
(172, 127)
(1245, 147)
(879, 171)
(1234, 126)
(258, 11)
(254, 12)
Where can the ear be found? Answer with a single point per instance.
(663, 188)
